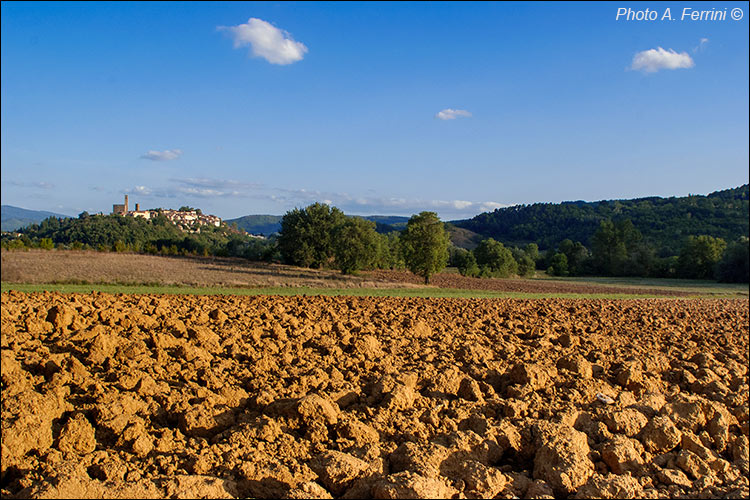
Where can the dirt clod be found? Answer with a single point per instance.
(157, 396)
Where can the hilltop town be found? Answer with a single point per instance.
(186, 220)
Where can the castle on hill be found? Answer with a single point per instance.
(185, 220)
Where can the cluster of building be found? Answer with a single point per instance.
(185, 220)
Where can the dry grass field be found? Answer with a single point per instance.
(40, 266)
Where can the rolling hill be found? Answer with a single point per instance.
(13, 218)
(665, 223)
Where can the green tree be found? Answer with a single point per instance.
(119, 246)
(305, 238)
(576, 253)
(526, 266)
(734, 266)
(46, 244)
(532, 250)
(699, 257)
(494, 259)
(425, 245)
(612, 245)
(355, 245)
(466, 263)
(558, 265)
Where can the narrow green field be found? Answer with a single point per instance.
(694, 286)
(427, 292)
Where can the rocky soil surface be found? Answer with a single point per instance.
(127, 396)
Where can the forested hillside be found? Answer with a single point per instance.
(665, 223)
(15, 217)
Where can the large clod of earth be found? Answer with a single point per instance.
(157, 396)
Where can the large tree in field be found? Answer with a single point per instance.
(355, 245)
(425, 245)
(305, 238)
(494, 259)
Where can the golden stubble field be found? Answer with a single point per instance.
(318, 397)
(45, 266)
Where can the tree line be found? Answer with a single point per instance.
(619, 249)
(322, 236)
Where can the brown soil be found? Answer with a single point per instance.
(318, 397)
(454, 280)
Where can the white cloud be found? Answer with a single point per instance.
(489, 206)
(267, 41)
(39, 184)
(142, 190)
(652, 60)
(701, 45)
(166, 155)
(199, 188)
(452, 114)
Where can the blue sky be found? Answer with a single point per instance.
(378, 108)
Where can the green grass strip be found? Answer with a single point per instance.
(692, 286)
(426, 292)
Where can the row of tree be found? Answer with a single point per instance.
(491, 259)
(322, 236)
(619, 249)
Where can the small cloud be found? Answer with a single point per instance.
(142, 190)
(166, 155)
(267, 41)
(460, 204)
(652, 60)
(490, 206)
(452, 114)
(37, 184)
(701, 45)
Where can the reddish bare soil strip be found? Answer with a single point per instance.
(298, 397)
(453, 280)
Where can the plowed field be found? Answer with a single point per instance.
(320, 397)
(456, 281)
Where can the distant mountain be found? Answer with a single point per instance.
(13, 218)
(665, 223)
(385, 224)
(269, 224)
(257, 224)
(390, 220)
